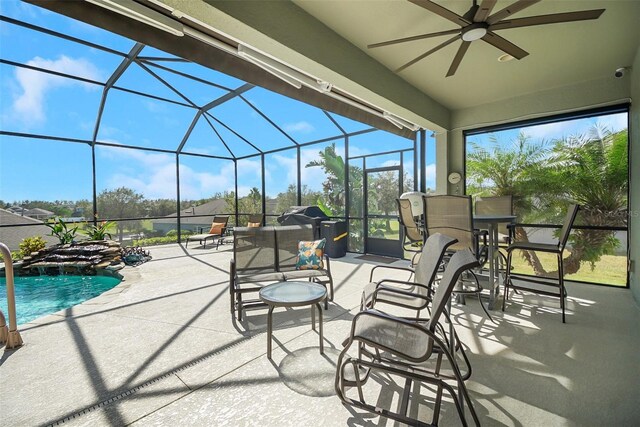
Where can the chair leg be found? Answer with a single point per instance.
(507, 280)
(561, 283)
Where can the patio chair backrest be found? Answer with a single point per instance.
(572, 212)
(460, 261)
(382, 330)
(495, 205)
(451, 216)
(287, 238)
(411, 230)
(431, 258)
(223, 219)
(256, 218)
(254, 249)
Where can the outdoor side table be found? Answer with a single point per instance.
(293, 294)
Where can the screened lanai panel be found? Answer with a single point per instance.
(301, 121)
(322, 173)
(204, 140)
(384, 160)
(203, 179)
(207, 74)
(206, 189)
(238, 146)
(163, 57)
(408, 170)
(44, 104)
(130, 119)
(349, 125)
(38, 16)
(130, 181)
(239, 116)
(34, 172)
(249, 188)
(281, 176)
(138, 79)
(377, 142)
(197, 92)
(54, 53)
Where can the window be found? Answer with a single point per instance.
(548, 165)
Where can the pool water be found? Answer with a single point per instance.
(41, 295)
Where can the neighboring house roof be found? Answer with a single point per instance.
(38, 211)
(12, 236)
(190, 215)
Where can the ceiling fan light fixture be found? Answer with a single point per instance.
(474, 32)
(505, 58)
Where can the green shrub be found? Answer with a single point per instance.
(99, 232)
(174, 233)
(59, 229)
(152, 241)
(15, 255)
(32, 244)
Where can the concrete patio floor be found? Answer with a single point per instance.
(163, 349)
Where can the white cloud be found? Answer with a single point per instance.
(614, 122)
(34, 85)
(299, 127)
(313, 177)
(551, 130)
(154, 175)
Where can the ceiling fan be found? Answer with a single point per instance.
(478, 23)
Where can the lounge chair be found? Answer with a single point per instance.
(216, 233)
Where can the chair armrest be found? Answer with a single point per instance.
(391, 290)
(232, 274)
(327, 263)
(387, 267)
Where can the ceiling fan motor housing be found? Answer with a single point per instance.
(474, 31)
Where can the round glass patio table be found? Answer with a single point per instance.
(293, 294)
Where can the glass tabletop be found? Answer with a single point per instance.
(292, 294)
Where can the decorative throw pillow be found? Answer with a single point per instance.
(310, 255)
(216, 228)
(254, 224)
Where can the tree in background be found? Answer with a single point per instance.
(332, 200)
(591, 170)
(121, 203)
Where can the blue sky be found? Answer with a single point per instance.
(551, 131)
(40, 103)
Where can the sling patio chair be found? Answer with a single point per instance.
(545, 286)
(216, 233)
(452, 216)
(412, 232)
(402, 347)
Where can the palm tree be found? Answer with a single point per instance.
(592, 170)
(514, 169)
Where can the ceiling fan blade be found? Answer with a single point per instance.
(583, 15)
(505, 45)
(458, 58)
(484, 10)
(441, 11)
(424, 55)
(408, 39)
(510, 10)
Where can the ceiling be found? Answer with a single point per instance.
(559, 54)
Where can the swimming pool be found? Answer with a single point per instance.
(40, 295)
